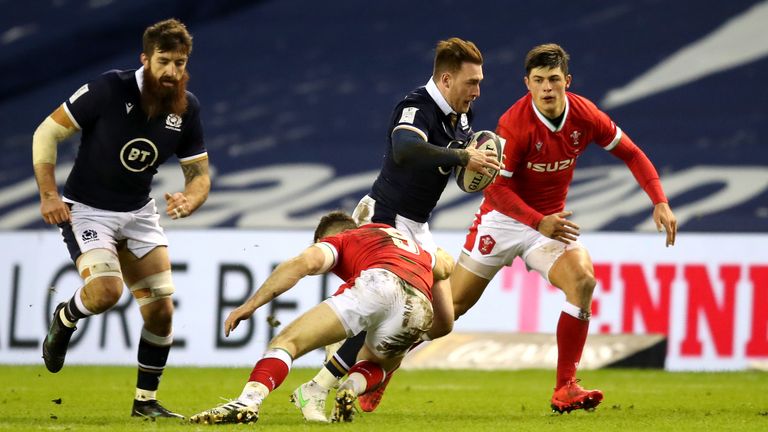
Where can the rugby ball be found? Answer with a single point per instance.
(474, 181)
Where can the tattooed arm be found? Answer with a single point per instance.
(197, 184)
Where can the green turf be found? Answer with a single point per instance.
(99, 398)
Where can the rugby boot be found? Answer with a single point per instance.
(152, 409)
(572, 396)
(57, 341)
(230, 412)
(370, 400)
(310, 399)
(344, 410)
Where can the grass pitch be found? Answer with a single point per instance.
(87, 398)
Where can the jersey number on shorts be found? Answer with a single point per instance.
(401, 241)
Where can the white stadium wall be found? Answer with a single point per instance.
(708, 294)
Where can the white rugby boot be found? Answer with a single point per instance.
(310, 399)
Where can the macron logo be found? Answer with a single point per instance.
(128, 107)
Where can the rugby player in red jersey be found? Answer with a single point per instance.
(523, 212)
(387, 292)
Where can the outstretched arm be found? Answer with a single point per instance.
(285, 276)
(648, 179)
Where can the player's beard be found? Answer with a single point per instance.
(157, 99)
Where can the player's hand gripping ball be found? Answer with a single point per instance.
(475, 181)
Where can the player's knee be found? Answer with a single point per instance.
(286, 344)
(103, 293)
(153, 288)
(587, 283)
(100, 270)
(584, 285)
(160, 318)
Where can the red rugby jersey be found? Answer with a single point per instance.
(541, 156)
(380, 246)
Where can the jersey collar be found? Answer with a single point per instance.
(140, 78)
(434, 92)
(546, 122)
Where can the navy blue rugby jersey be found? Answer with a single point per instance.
(120, 149)
(413, 192)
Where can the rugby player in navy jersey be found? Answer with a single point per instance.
(131, 122)
(424, 131)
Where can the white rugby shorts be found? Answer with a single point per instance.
(494, 240)
(418, 231)
(394, 314)
(94, 228)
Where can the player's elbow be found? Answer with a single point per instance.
(398, 158)
(310, 266)
(311, 262)
(45, 139)
(407, 148)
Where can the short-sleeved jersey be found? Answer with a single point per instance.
(540, 157)
(120, 149)
(411, 192)
(380, 246)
